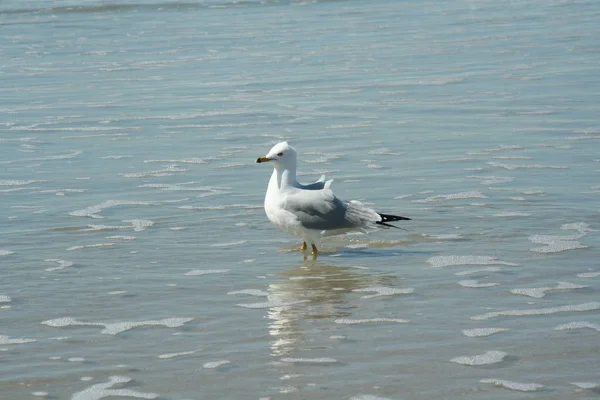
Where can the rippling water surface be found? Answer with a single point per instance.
(136, 260)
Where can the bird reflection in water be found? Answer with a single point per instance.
(315, 291)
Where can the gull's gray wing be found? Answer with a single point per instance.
(321, 210)
(321, 183)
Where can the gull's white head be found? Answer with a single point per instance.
(282, 155)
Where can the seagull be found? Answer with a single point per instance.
(313, 211)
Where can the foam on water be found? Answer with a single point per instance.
(90, 246)
(448, 80)
(222, 207)
(5, 299)
(62, 264)
(497, 149)
(447, 236)
(321, 360)
(368, 397)
(492, 180)
(100, 227)
(477, 271)
(233, 165)
(578, 325)
(114, 328)
(181, 161)
(383, 291)
(138, 225)
(183, 353)
(8, 340)
(556, 244)
(72, 154)
(540, 292)
(274, 303)
(6, 253)
(17, 189)
(474, 283)
(583, 138)
(518, 386)
(512, 158)
(229, 244)
(13, 182)
(102, 390)
(250, 292)
(589, 274)
(482, 332)
(348, 321)
(285, 390)
(40, 394)
(456, 159)
(384, 151)
(490, 357)
(454, 196)
(512, 167)
(449, 261)
(533, 192)
(372, 165)
(185, 187)
(121, 237)
(116, 157)
(304, 278)
(62, 192)
(512, 214)
(199, 272)
(539, 311)
(167, 171)
(586, 385)
(93, 211)
(215, 364)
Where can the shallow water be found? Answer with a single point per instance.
(136, 259)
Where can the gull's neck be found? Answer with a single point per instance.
(283, 178)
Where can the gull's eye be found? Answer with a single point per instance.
(279, 154)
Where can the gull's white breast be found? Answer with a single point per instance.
(274, 208)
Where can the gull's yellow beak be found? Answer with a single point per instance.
(262, 159)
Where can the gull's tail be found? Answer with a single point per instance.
(385, 218)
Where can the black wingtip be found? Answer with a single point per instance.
(391, 218)
(385, 218)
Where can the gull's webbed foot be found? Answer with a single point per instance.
(315, 251)
(303, 247)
